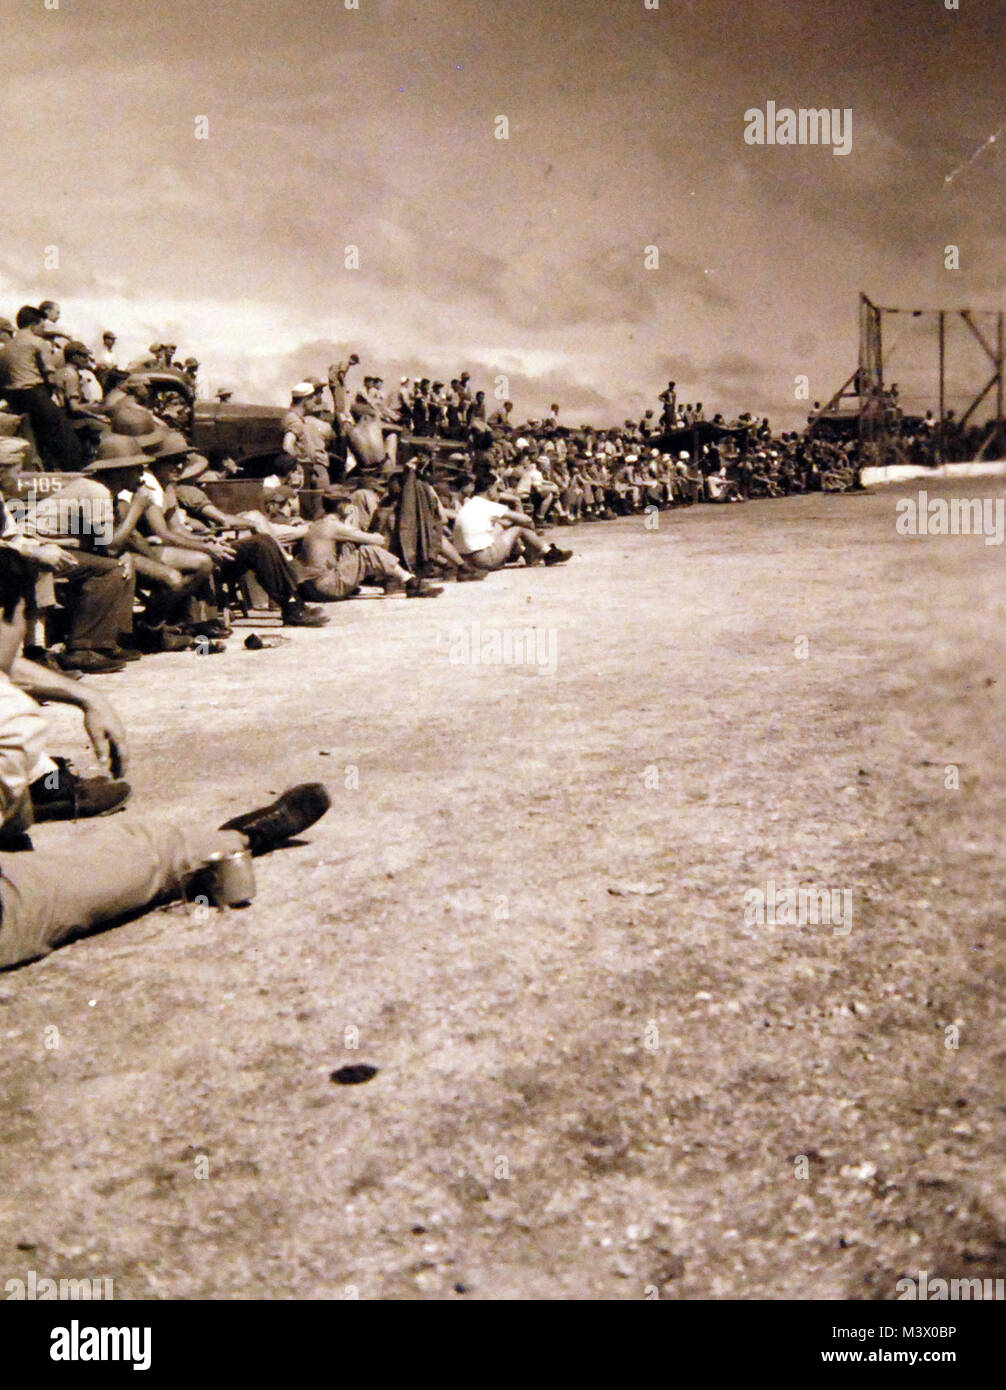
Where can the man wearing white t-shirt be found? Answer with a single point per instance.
(488, 534)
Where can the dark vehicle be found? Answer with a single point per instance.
(251, 435)
(171, 394)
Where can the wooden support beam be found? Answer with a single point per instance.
(978, 399)
(966, 316)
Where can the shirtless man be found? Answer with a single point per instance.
(335, 558)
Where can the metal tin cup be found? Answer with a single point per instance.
(230, 878)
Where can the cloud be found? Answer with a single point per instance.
(374, 128)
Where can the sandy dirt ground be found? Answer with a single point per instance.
(597, 1076)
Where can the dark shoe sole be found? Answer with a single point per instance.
(292, 813)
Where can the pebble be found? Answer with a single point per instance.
(353, 1075)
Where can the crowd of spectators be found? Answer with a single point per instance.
(115, 543)
(891, 434)
(397, 489)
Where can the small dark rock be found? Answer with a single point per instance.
(354, 1075)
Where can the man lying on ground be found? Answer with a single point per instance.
(51, 894)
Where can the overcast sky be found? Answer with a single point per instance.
(374, 127)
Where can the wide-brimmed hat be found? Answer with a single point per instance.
(129, 417)
(173, 445)
(117, 451)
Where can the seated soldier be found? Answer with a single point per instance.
(54, 893)
(335, 558)
(118, 471)
(56, 791)
(99, 590)
(489, 535)
(184, 547)
(576, 497)
(690, 484)
(534, 490)
(720, 488)
(558, 474)
(628, 485)
(258, 553)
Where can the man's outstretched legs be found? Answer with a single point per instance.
(50, 895)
